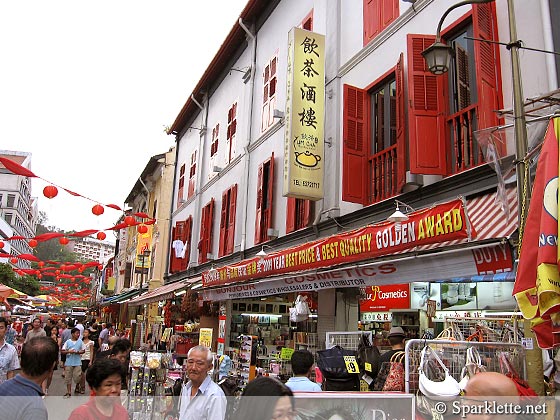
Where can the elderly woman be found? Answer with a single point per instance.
(265, 398)
(104, 378)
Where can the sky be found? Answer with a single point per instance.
(89, 87)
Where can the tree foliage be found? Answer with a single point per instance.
(25, 284)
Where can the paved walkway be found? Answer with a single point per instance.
(58, 387)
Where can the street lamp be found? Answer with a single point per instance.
(145, 254)
(438, 56)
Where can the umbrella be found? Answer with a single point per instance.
(51, 300)
(17, 294)
(5, 291)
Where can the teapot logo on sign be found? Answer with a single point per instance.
(395, 296)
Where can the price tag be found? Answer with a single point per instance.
(368, 367)
(286, 353)
(351, 364)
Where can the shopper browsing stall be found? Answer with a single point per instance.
(201, 399)
(73, 348)
(396, 339)
(302, 363)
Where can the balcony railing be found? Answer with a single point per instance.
(465, 153)
(382, 170)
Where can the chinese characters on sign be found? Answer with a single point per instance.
(143, 244)
(305, 110)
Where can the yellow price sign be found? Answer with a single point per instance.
(368, 367)
(351, 364)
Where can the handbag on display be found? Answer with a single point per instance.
(444, 390)
(451, 333)
(395, 377)
(300, 312)
(472, 366)
(523, 388)
(333, 368)
(368, 357)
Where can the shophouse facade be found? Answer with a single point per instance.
(392, 130)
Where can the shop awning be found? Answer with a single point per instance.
(164, 292)
(122, 297)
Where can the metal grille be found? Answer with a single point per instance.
(454, 355)
(489, 329)
(346, 339)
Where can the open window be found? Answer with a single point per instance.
(265, 183)
(227, 221)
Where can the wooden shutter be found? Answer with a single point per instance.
(401, 143)
(258, 213)
(270, 194)
(372, 19)
(210, 226)
(487, 65)
(290, 215)
(223, 224)
(306, 213)
(354, 171)
(181, 188)
(186, 238)
(231, 225)
(178, 233)
(389, 11)
(172, 258)
(201, 242)
(426, 118)
(463, 77)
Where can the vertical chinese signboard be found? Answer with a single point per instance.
(143, 244)
(305, 116)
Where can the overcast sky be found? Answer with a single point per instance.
(88, 86)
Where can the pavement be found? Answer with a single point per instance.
(58, 387)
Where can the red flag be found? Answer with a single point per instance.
(16, 168)
(537, 284)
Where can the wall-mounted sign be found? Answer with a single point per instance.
(431, 308)
(444, 222)
(377, 316)
(385, 298)
(205, 337)
(305, 115)
(143, 244)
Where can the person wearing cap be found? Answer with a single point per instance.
(396, 340)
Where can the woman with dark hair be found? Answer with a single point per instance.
(104, 378)
(265, 398)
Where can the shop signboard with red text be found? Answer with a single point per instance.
(441, 223)
(385, 298)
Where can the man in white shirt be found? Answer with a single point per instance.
(201, 398)
(302, 362)
(9, 361)
(80, 326)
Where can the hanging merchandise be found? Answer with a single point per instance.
(522, 385)
(446, 389)
(472, 367)
(368, 359)
(300, 311)
(339, 369)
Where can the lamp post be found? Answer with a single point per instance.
(438, 56)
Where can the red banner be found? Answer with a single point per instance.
(385, 298)
(441, 223)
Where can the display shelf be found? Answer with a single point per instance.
(187, 332)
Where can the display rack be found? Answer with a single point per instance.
(242, 360)
(147, 385)
(185, 341)
(346, 339)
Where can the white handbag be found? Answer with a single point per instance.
(473, 366)
(444, 390)
(300, 311)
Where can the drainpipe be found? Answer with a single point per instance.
(548, 45)
(204, 112)
(247, 156)
(173, 198)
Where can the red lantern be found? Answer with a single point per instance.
(98, 210)
(57, 272)
(81, 269)
(142, 229)
(14, 260)
(1, 244)
(32, 243)
(50, 191)
(40, 276)
(41, 264)
(101, 235)
(64, 240)
(129, 220)
(100, 266)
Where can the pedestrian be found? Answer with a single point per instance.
(9, 361)
(36, 331)
(104, 377)
(73, 348)
(201, 398)
(302, 363)
(106, 353)
(396, 339)
(80, 326)
(38, 357)
(63, 335)
(48, 327)
(104, 336)
(87, 360)
(10, 333)
(265, 398)
(94, 335)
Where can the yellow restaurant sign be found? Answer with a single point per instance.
(143, 243)
(305, 115)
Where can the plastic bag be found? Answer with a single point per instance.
(300, 311)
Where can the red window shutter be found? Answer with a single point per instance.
(172, 258)
(258, 214)
(426, 118)
(306, 212)
(231, 225)
(201, 242)
(179, 233)
(372, 19)
(210, 226)
(270, 194)
(186, 239)
(401, 143)
(487, 65)
(290, 215)
(354, 145)
(223, 225)
(389, 11)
